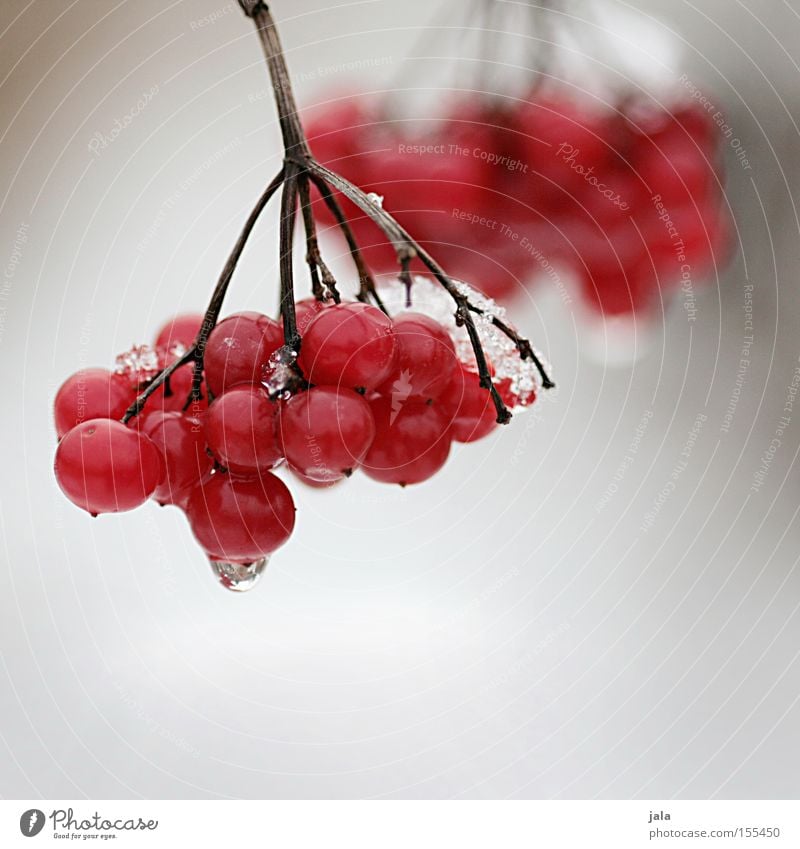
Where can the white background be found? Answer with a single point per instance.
(495, 633)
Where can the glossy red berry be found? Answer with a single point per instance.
(310, 482)
(93, 393)
(469, 407)
(238, 348)
(326, 432)
(181, 329)
(306, 310)
(240, 429)
(412, 441)
(105, 467)
(348, 345)
(425, 358)
(173, 394)
(182, 444)
(241, 520)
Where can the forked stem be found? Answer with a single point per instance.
(197, 349)
(323, 283)
(366, 282)
(407, 248)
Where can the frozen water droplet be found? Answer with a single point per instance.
(376, 199)
(283, 356)
(280, 372)
(239, 577)
(140, 364)
(517, 380)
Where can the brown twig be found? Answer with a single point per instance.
(407, 247)
(299, 169)
(197, 349)
(366, 282)
(316, 265)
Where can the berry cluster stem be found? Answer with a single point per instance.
(196, 351)
(299, 171)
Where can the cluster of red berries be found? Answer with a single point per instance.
(626, 201)
(387, 396)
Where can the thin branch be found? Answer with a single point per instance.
(407, 247)
(215, 304)
(524, 347)
(294, 140)
(197, 349)
(300, 167)
(366, 282)
(316, 265)
(291, 337)
(163, 376)
(299, 163)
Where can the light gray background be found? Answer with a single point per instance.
(500, 632)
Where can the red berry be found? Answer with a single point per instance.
(624, 293)
(425, 358)
(678, 172)
(93, 393)
(412, 441)
(311, 482)
(181, 329)
(241, 430)
(560, 139)
(182, 444)
(335, 130)
(173, 394)
(240, 521)
(238, 348)
(698, 123)
(326, 432)
(468, 406)
(105, 467)
(350, 345)
(306, 310)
